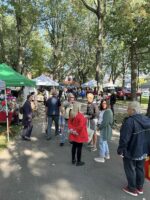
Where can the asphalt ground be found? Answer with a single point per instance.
(42, 170)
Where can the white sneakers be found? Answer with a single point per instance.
(101, 159)
(107, 157)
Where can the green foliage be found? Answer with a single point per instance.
(60, 37)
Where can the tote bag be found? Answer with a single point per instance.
(90, 131)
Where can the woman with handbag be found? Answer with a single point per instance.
(78, 133)
(92, 113)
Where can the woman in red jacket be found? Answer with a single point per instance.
(78, 133)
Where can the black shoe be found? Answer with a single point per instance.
(80, 163)
(61, 144)
(26, 138)
(48, 138)
(73, 162)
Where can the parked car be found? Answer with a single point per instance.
(146, 93)
(123, 93)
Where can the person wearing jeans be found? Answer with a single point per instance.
(52, 118)
(52, 113)
(27, 119)
(105, 122)
(103, 148)
(134, 146)
(129, 167)
(66, 107)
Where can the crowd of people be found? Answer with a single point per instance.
(76, 126)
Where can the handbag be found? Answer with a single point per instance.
(90, 131)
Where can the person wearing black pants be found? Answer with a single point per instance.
(27, 119)
(134, 172)
(76, 152)
(134, 146)
(78, 133)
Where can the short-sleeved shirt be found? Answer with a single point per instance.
(53, 105)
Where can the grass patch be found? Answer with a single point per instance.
(144, 100)
(14, 130)
(3, 142)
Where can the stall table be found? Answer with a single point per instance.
(3, 117)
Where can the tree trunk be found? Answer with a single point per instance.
(98, 75)
(19, 41)
(2, 41)
(148, 109)
(18, 13)
(100, 12)
(124, 72)
(133, 72)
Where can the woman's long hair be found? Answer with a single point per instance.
(101, 106)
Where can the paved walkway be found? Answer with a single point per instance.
(42, 170)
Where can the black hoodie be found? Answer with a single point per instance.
(135, 137)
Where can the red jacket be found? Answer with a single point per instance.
(78, 124)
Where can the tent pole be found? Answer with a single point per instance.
(7, 121)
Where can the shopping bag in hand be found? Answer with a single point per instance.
(90, 132)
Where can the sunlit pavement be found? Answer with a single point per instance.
(42, 170)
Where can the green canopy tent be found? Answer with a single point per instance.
(13, 78)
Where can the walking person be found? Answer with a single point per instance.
(105, 122)
(27, 118)
(62, 127)
(134, 146)
(66, 107)
(92, 115)
(112, 101)
(52, 113)
(78, 133)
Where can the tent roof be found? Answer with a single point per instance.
(91, 83)
(45, 81)
(13, 78)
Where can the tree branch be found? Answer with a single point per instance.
(89, 7)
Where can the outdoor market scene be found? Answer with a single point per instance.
(74, 100)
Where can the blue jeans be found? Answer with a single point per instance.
(103, 147)
(52, 118)
(134, 170)
(63, 134)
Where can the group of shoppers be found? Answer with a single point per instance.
(134, 143)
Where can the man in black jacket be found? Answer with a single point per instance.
(52, 113)
(27, 118)
(134, 146)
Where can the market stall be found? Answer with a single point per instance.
(91, 83)
(7, 104)
(10, 78)
(45, 81)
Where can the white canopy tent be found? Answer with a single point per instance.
(91, 83)
(110, 85)
(3, 87)
(45, 81)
